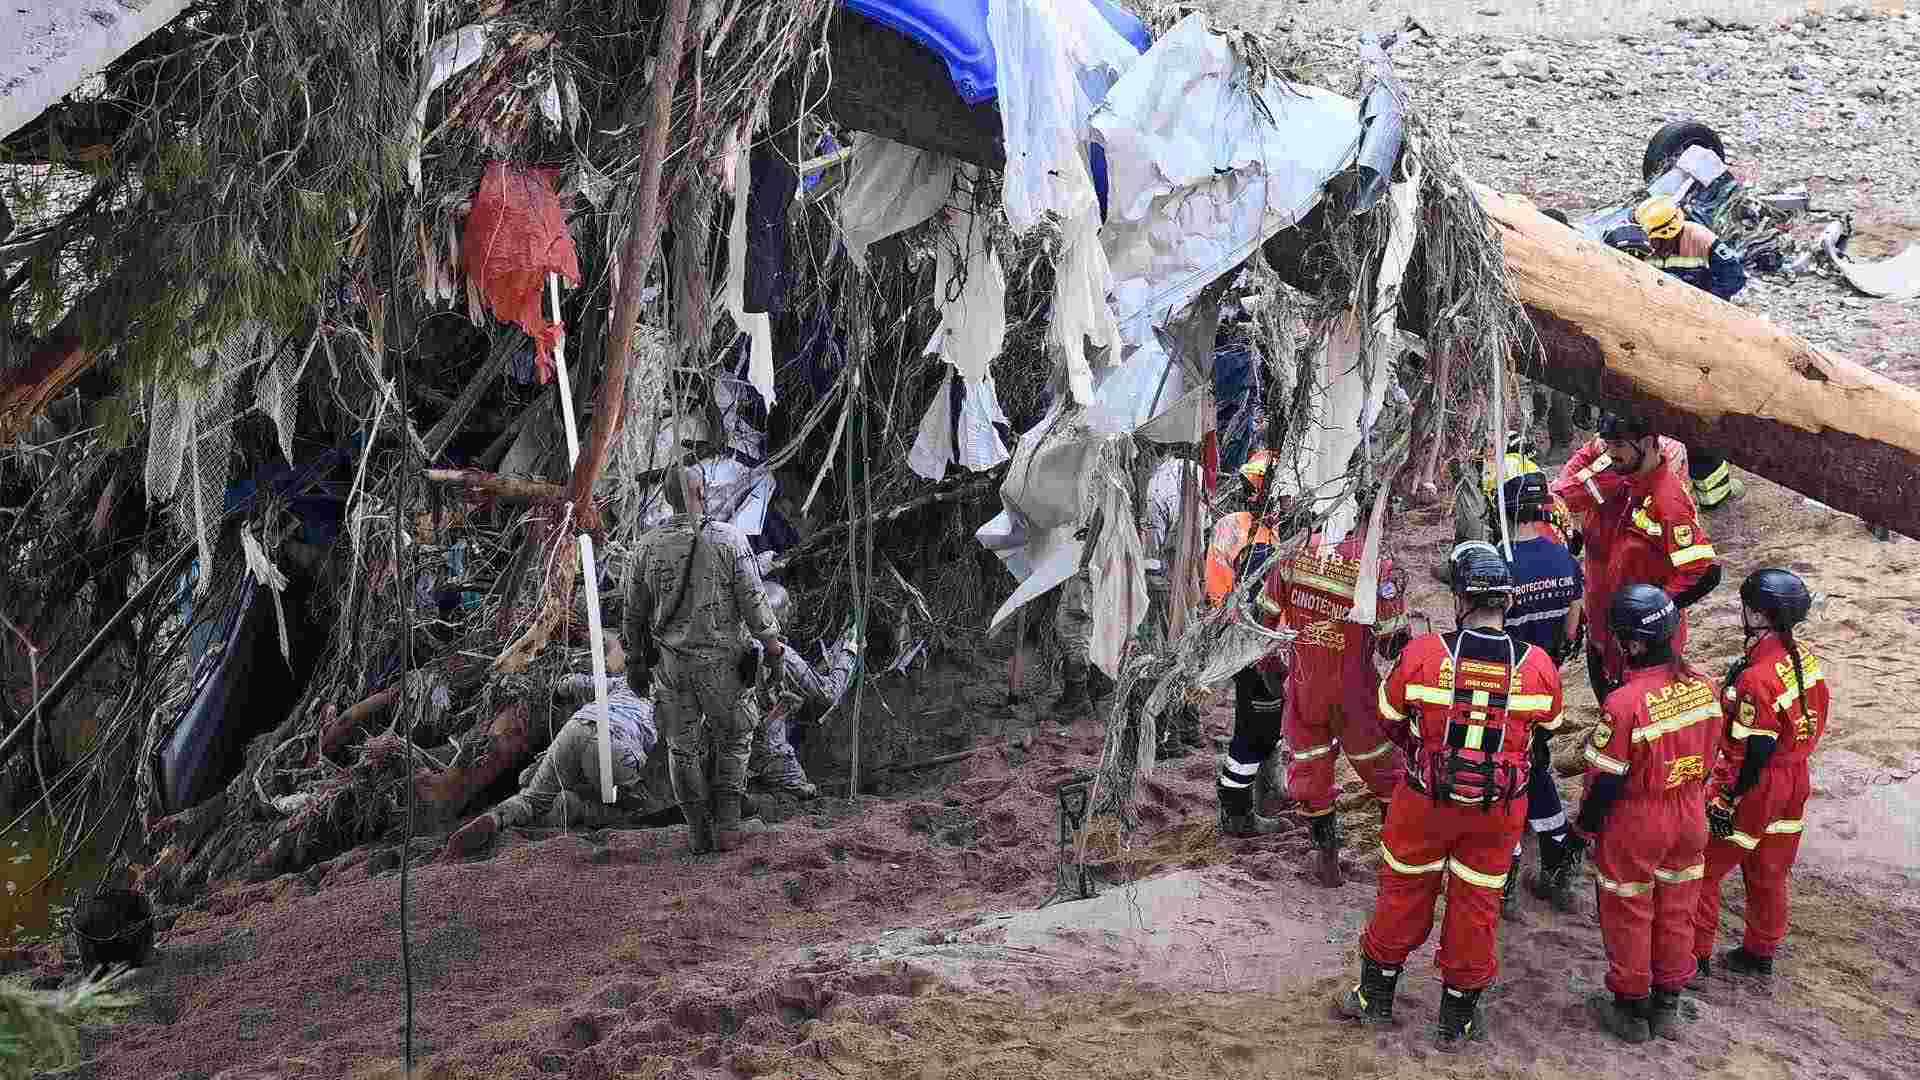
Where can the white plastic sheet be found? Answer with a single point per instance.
(1049, 557)
(1117, 574)
(1047, 481)
(751, 518)
(970, 288)
(979, 445)
(890, 187)
(1197, 177)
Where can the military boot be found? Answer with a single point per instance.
(699, 827)
(1073, 702)
(1702, 971)
(1324, 833)
(474, 835)
(1099, 687)
(729, 831)
(1237, 815)
(1742, 962)
(1559, 867)
(1663, 1014)
(1371, 1002)
(1623, 1017)
(1460, 1019)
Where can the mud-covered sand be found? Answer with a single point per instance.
(904, 938)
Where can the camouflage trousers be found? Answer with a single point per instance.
(557, 791)
(684, 695)
(1073, 626)
(773, 760)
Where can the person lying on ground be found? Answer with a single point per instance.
(562, 788)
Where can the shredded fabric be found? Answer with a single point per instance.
(516, 235)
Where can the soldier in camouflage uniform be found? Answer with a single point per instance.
(1085, 687)
(695, 582)
(562, 788)
(792, 690)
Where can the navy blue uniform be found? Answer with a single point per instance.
(1547, 582)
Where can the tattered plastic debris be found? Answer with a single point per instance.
(1117, 577)
(1897, 278)
(758, 327)
(958, 428)
(516, 235)
(970, 287)
(891, 187)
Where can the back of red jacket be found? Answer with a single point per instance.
(1765, 699)
(1312, 590)
(1661, 731)
(1465, 705)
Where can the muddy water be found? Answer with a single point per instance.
(26, 905)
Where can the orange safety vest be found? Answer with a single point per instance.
(1231, 535)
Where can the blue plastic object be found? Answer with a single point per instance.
(956, 30)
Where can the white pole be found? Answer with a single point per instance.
(587, 575)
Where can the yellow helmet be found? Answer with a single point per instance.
(1660, 217)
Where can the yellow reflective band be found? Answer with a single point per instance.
(1371, 754)
(1399, 867)
(1386, 707)
(1742, 732)
(1678, 722)
(1268, 605)
(1482, 698)
(1333, 586)
(1553, 724)
(1679, 262)
(1431, 695)
(1624, 889)
(1745, 841)
(1604, 763)
(1529, 702)
(1717, 476)
(1793, 694)
(1678, 877)
(1785, 828)
(1474, 877)
(1692, 554)
(1312, 752)
(1476, 734)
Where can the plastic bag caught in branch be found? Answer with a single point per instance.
(516, 235)
(890, 187)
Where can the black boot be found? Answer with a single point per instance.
(1371, 1002)
(1624, 1017)
(1237, 816)
(699, 827)
(1099, 687)
(1702, 971)
(1663, 1014)
(1073, 703)
(1742, 962)
(1324, 832)
(1460, 1019)
(1559, 867)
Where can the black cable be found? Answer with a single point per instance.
(402, 601)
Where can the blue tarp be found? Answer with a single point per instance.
(956, 31)
(1236, 383)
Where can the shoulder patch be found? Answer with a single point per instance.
(1683, 535)
(1602, 735)
(1388, 590)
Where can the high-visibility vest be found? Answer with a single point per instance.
(1231, 535)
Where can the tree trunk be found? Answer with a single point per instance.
(1712, 374)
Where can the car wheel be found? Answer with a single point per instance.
(1673, 140)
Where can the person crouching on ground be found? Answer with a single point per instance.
(792, 691)
(1645, 815)
(562, 788)
(1464, 706)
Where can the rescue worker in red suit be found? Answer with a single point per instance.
(1465, 706)
(1332, 690)
(1641, 528)
(1644, 814)
(1241, 542)
(1778, 700)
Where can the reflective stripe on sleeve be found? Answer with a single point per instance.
(1786, 827)
(1312, 752)
(1399, 867)
(1371, 754)
(1742, 732)
(1679, 722)
(1604, 763)
(1529, 702)
(1474, 877)
(1689, 555)
(1430, 695)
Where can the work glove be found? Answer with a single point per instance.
(1720, 817)
(850, 639)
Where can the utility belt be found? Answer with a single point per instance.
(1450, 776)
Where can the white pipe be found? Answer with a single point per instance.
(602, 713)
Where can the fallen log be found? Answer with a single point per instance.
(1712, 374)
(495, 486)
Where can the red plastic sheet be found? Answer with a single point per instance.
(516, 235)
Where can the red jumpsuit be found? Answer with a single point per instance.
(1464, 705)
(1763, 699)
(1661, 732)
(1640, 530)
(1331, 690)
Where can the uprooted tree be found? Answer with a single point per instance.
(243, 289)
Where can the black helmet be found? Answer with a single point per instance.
(1629, 238)
(1516, 443)
(1618, 426)
(1643, 613)
(1479, 570)
(1780, 595)
(1527, 489)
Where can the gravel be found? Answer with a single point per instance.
(1556, 102)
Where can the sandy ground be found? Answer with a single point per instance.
(907, 938)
